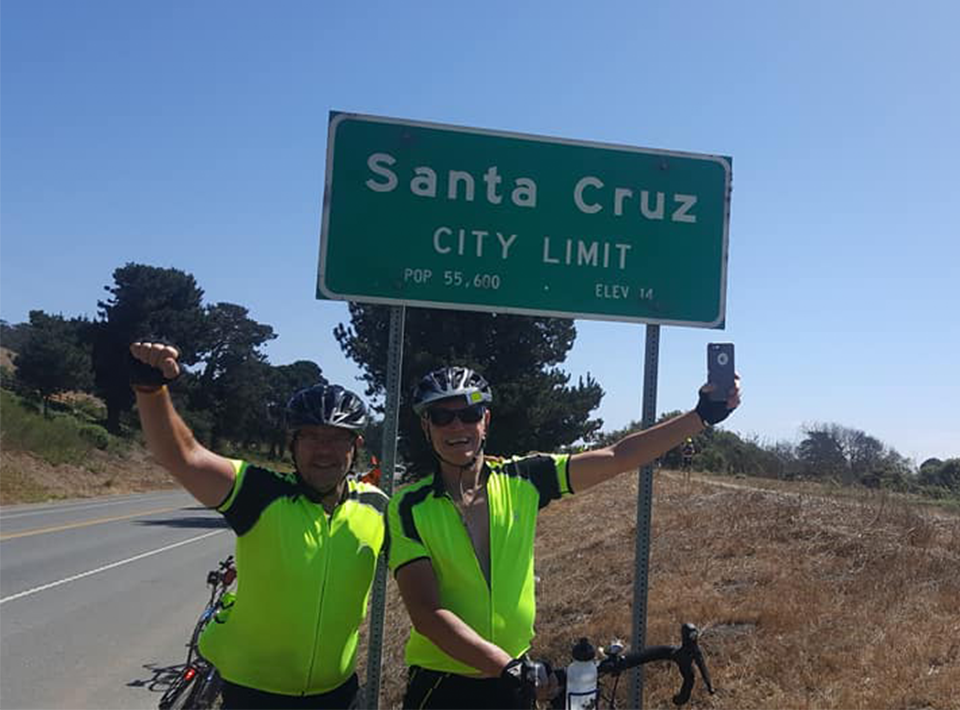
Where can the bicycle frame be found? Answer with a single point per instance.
(198, 683)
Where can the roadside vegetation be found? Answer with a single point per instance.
(831, 454)
(62, 435)
(65, 453)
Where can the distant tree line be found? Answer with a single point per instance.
(230, 393)
(826, 453)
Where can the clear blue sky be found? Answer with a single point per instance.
(193, 135)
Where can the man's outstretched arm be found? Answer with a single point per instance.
(640, 448)
(206, 475)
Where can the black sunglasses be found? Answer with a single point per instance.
(468, 415)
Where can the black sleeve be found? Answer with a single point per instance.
(259, 487)
(544, 473)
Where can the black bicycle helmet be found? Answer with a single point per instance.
(326, 405)
(449, 382)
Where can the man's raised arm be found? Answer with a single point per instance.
(206, 475)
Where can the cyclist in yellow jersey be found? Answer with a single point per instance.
(307, 542)
(461, 540)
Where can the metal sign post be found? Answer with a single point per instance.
(644, 510)
(371, 692)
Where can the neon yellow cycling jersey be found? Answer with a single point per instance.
(423, 522)
(303, 579)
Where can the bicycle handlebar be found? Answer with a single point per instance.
(225, 573)
(686, 655)
(221, 578)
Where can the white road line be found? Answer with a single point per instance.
(106, 567)
(73, 507)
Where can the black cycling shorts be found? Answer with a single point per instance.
(435, 690)
(240, 697)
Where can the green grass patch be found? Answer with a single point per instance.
(61, 438)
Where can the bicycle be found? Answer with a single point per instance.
(614, 662)
(198, 684)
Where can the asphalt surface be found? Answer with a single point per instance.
(98, 597)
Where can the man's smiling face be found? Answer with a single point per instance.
(324, 454)
(456, 441)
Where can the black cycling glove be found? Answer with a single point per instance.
(140, 374)
(518, 690)
(712, 412)
(512, 674)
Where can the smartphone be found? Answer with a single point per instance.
(720, 370)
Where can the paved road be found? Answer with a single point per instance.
(97, 597)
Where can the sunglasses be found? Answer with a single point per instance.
(468, 415)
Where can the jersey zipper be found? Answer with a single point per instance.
(466, 531)
(489, 583)
(325, 528)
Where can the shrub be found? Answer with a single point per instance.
(94, 434)
(90, 409)
(8, 378)
(711, 460)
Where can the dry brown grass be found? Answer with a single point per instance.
(805, 600)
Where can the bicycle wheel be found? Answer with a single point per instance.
(207, 692)
(178, 694)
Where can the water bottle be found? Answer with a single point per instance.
(582, 678)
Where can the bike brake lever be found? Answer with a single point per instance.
(688, 653)
(702, 665)
(686, 670)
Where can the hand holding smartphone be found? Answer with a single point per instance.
(720, 370)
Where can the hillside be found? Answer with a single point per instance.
(26, 478)
(68, 455)
(805, 600)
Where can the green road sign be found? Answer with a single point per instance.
(424, 214)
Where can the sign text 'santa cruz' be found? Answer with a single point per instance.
(444, 216)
